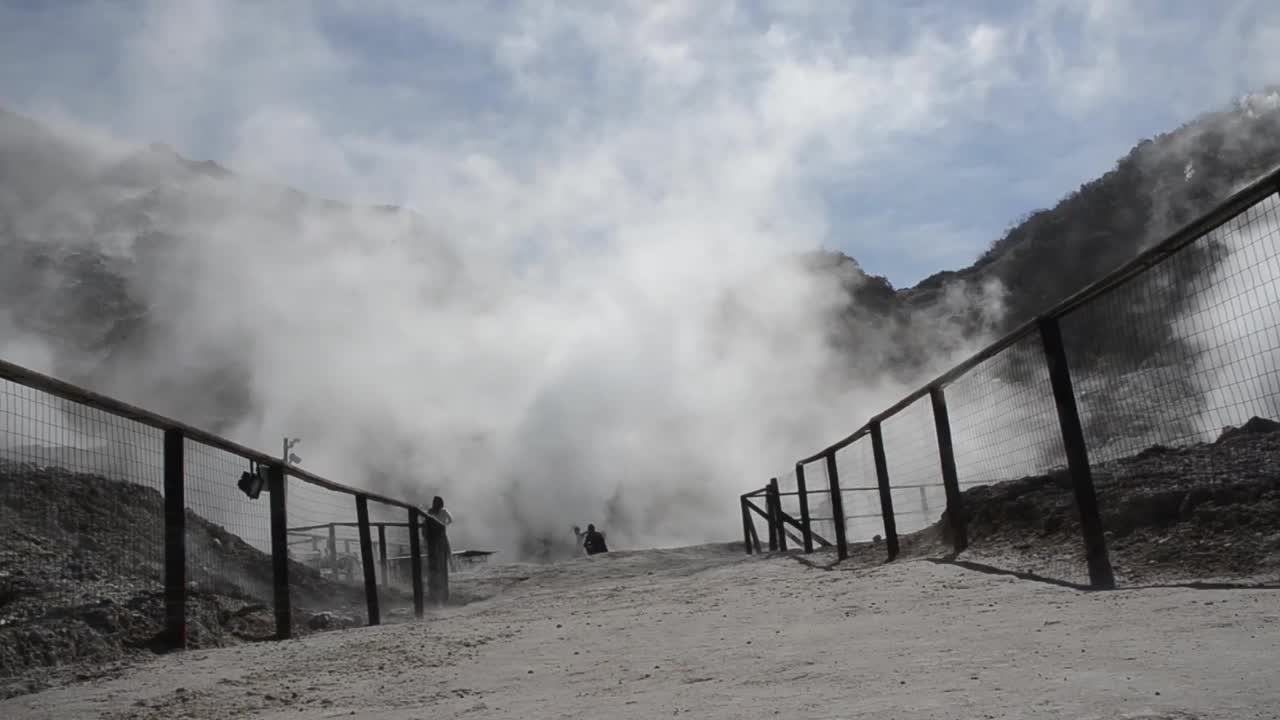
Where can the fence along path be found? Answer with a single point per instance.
(1036, 354)
(176, 460)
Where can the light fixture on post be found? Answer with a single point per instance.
(252, 481)
(288, 457)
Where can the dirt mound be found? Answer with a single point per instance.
(1206, 510)
(81, 578)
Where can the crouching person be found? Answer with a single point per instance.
(593, 541)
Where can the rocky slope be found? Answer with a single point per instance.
(1202, 512)
(81, 573)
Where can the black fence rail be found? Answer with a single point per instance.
(1098, 421)
(104, 505)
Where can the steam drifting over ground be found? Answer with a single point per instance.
(589, 316)
(604, 330)
(633, 382)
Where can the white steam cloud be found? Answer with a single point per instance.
(601, 328)
(588, 316)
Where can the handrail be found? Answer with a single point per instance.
(83, 396)
(1225, 211)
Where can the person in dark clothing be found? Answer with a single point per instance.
(435, 532)
(593, 541)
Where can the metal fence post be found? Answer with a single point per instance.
(777, 514)
(366, 560)
(956, 519)
(746, 523)
(837, 506)
(1095, 543)
(805, 524)
(886, 497)
(175, 541)
(415, 561)
(280, 551)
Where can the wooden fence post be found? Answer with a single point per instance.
(333, 551)
(806, 525)
(175, 540)
(956, 519)
(382, 554)
(415, 561)
(837, 506)
(276, 488)
(746, 523)
(1095, 543)
(777, 514)
(366, 560)
(886, 496)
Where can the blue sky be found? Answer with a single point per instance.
(907, 134)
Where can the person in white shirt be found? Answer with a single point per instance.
(439, 513)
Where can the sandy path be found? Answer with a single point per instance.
(708, 634)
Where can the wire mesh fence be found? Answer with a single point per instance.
(1133, 425)
(324, 537)
(228, 535)
(81, 509)
(860, 493)
(1004, 422)
(1153, 392)
(821, 516)
(390, 547)
(1006, 435)
(393, 539)
(790, 505)
(121, 530)
(911, 454)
